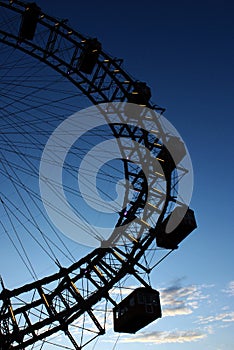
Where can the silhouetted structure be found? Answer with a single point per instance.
(35, 311)
(137, 310)
(140, 94)
(182, 228)
(89, 56)
(171, 154)
(29, 22)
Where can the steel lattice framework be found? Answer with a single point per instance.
(35, 311)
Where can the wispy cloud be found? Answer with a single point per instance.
(175, 336)
(177, 300)
(221, 317)
(230, 289)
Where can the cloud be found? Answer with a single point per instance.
(176, 311)
(221, 317)
(230, 289)
(166, 337)
(177, 300)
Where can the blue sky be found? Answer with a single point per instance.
(184, 51)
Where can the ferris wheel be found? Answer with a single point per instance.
(49, 74)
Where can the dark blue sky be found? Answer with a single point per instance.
(183, 50)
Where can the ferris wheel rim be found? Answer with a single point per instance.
(121, 97)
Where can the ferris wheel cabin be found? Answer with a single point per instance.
(184, 224)
(89, 55)
(29, 21)
(140, 94)
(171, 154)
(139, 97)
(137, 310)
